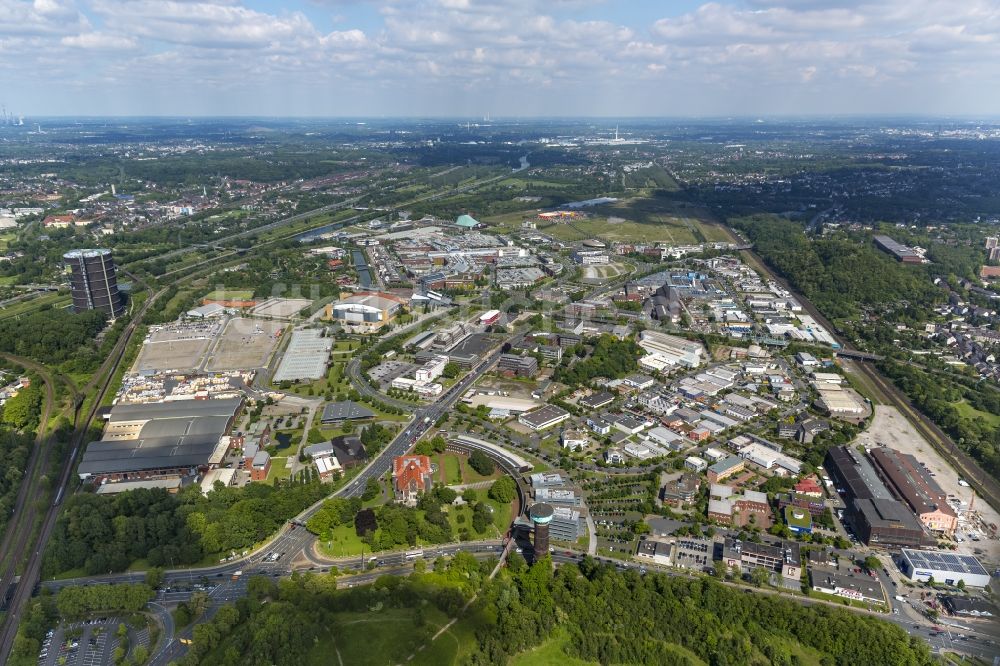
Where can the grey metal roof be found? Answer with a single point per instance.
(176, 434)
(345, 411)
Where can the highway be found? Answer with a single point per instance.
(967, 637)
(423, 419)
(22, 593)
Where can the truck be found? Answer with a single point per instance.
(237, 574)
(899, 597)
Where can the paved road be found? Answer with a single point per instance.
(423, 419)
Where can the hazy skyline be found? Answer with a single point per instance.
(516, 58)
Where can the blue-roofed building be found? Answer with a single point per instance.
(467, 221)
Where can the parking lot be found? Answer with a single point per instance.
(244, 344)
(386, 371)
(89, 643)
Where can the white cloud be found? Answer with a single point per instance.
(99, 41)
(522, 55)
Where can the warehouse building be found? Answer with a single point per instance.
(877, 516)
(943, 567)
(677, 351)
(162, 439)
(544, 417)
(898, 250)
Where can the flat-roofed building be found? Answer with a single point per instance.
(695, 463)
(597, 400)
(677, 350)
(681, 491)
(558, 496)
(546, 480)
(944, 567)
(898, 250)
(150, 440)
(657, 551)
(522, 366)
(367, 310)
(782, 558)
(844, 583)
(567, 523)
(544, 417)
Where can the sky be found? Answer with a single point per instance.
(505, 58)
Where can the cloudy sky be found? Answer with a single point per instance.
(466, 58)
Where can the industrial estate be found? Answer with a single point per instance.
(630, 362)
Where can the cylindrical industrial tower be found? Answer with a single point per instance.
(541, 516)
(94, 282)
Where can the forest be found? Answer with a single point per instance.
(53, 336)
(609, 617)
(610, 358)
(843, 276)
(107, 533)
(15, 447)
(938, 397)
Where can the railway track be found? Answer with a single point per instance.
(18, 542)
(28, 511)
(983, 483)
(22, 522)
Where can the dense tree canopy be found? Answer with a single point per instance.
(103, 533)
(52, 336)
(15, 448)
(611, 358)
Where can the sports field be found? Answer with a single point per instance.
(229, 295)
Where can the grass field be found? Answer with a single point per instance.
(229, 295)
(454, 644)
(472, 476)
(279, 470)
(344, 542)
(387, 636)
(967, 411)
(550, 653)
(619, 228)
(452, 468)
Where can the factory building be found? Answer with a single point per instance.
(163, 439)
(878, 517)
(676, 350)
(913, 484)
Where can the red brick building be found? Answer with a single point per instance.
(411, 476)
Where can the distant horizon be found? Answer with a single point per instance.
(518, 58)
(505, 118)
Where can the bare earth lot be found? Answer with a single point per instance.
(891, 429)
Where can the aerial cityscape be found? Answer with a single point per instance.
(499, 381)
